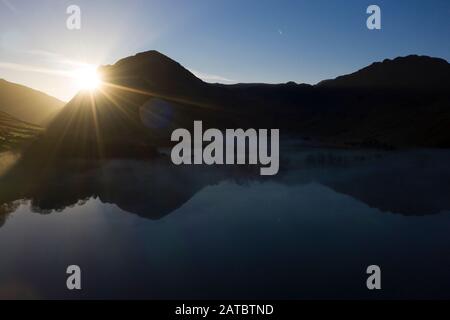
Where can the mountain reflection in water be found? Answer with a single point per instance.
(409, 182)
(226, 232)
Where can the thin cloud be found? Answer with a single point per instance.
(54, 57)
(211, 77)
(28, 68)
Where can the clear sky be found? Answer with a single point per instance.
(220, 40)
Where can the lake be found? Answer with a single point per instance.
(156, 231)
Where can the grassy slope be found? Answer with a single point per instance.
(14, 132)
(27, 104)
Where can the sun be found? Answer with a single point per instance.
(87, 77)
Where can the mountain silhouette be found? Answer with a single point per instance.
(402, 102)
(155, 71)
(142, 100)
(395, 103)
(27, 104)
(411, 72)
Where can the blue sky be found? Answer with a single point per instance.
(221, 40)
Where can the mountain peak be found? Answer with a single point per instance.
(151, 70)
(411, 71)
(146, 56)
(412, 60)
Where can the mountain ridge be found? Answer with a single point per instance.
(27, 104)
(146, 96)
(400, 72)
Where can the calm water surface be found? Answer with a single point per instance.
(190, 233)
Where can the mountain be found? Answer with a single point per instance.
(404, 102)
(138, 106)
(395, 103)
(14, 132)
(411, 72)
(27, 104)
(153, 70)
